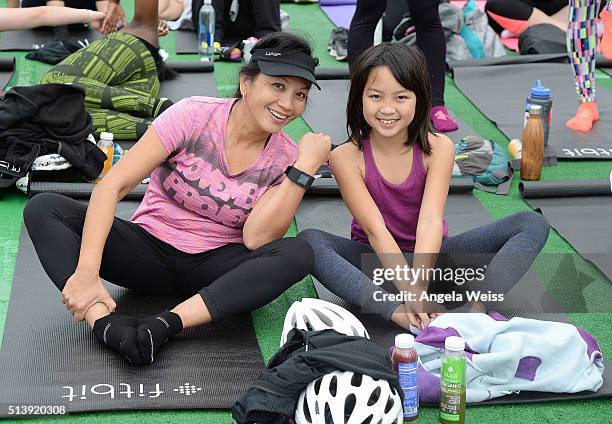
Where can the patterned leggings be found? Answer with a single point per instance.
(119, 76)
(582, 44)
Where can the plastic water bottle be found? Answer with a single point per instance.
(540, 95)
(405, 363)
(533, 145)
(206, 31)
(453, 382)
(106, 145)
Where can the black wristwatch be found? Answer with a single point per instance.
(300, 178)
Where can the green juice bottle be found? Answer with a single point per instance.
(452, 382)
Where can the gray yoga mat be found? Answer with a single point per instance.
(583, 219)
(463, 212)
(326, 111)
(29, 39)
(186, 42)
(7, 69)
(486, 85)
(195, 79)
(46, 357)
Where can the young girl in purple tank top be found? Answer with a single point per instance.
(394, 174)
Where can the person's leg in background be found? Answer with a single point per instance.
(127, 84)
(516, 16)
(266, 15)
(581, 48)
(431, 41)
(361, 32)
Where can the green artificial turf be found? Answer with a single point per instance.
(593, 291)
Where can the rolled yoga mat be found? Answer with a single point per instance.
(486, 85)
(29, 39)
(326, 111)
(565, 188)
(78, 190)
(7, 69)
(47, 359)
(583, 221)
(328, 186)
(463, 212)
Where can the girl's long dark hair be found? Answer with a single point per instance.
(277, 40)
(408, 66)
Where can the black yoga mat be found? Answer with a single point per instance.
(584, 221)
(326, 109)
(7, 68)
(29, 39)
(486, 85)
(186, 42)
(46, 357)
(463, 212)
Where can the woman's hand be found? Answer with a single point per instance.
(313, 151)
(83, 290)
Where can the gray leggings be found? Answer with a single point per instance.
(510, 245)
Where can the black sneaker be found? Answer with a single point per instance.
(338, 43)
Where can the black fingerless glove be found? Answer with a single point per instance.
(119, 333)
(153, 331)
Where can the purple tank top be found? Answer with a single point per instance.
(399, 204)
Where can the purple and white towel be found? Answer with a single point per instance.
(506, 356)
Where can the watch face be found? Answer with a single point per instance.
(303, 179)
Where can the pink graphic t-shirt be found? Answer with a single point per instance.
(193, 202)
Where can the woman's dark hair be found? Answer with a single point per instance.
(408, 66)
(279, 41)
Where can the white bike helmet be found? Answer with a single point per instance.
(343, 397)
(316, 314)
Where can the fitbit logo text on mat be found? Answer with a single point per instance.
(124, 391)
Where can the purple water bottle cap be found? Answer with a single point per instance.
(539, 91)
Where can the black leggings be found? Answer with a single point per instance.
(430, 37)
(255, 18)
(77, 4)
(231, 279)
(520, 10)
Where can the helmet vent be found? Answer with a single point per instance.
(349, 405)
(333, 386)
(326, 320)
(356, 380)
(374, 396)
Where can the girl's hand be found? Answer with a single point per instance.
(97, 18)
(313, 150)
(162, 28)
(83, 290)
(114, 14)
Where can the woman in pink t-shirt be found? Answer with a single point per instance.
(212, 221)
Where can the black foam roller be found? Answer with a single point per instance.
(332, 73)
(564, 188)
(198, 66)
(79, 190)
(7, 63)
